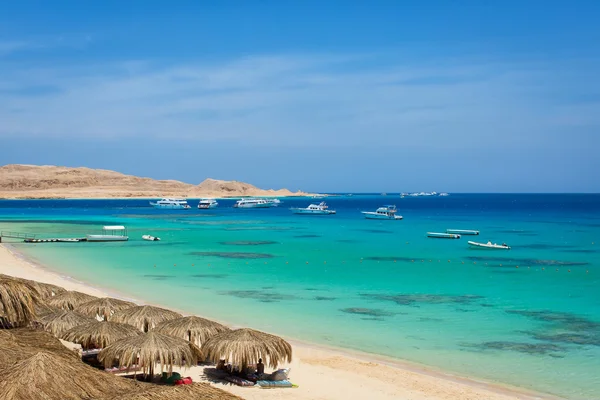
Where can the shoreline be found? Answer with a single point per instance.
(410, 380)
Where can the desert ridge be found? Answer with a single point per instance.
(19, 181)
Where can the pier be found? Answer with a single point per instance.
(33, 238)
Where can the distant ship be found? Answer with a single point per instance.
(255, 203)
(171, 203)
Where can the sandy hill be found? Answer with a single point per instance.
(33, 181)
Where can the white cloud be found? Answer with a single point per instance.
(294, 100)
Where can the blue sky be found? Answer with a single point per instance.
(458, 96)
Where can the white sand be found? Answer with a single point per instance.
(320, 373)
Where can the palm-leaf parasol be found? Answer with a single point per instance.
(103, 307)
(194, 329)
(244, 347)
(49, 376)
(18, 344)
(69, 300)
(97, 335)
(45, 290)
(202, 391)
(17, 302)
(149, 349)
(59, 322)
(144, 317)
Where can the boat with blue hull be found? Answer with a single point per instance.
(442, 235)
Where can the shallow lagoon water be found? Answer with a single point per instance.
(528, 317)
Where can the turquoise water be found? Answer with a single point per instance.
(376, 286)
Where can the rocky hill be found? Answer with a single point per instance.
(32, 181)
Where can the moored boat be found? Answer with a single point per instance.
(207, 203)
(314, 209)
(150, 238)
(385, 212)
(254, 203)
(441, 235)
(463, 231)
(489, 246)
(113, 233)
(171, 204)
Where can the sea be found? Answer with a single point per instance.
(528, 317)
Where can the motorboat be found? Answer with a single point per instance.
(207, 203)
(254, 203)
(112, 233)
(444, 195)
(489, 245)
(314, 209)
(463, 232)
(441, 235)
(150, 238)
(275, 202)
(385, 212)
(171, 204)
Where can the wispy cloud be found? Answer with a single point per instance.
(299, 100)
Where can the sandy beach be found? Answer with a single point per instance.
(320, 373)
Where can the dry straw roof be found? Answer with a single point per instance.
(17, 301)
(45, 375)
(44, 290)
(202, 391)
(194, 329)
(61, 321)
(97, 335)
(243, 347)
(18, 344)
(103, 307)
(69, 300)
(149, 349)
(144, 317)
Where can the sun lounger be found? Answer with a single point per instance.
(275, 384)
(238, 381)
(119, 370)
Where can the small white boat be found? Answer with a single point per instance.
(318, 196)
(115, 233)
(171, 204)
(314, 209)
(150, 238)
(441, 235)
(463, 232)
(207, 203)
(385, 212)
(489, 245)
(275, 202)
(254, 203)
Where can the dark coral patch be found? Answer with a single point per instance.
(370, 312)
(306, 236)
(159, 277)
(528, 261)
(414, 299)
(224, 254)
(263, 296)
(210, 276)
(248, 242)
(324, 298)
(525, 348)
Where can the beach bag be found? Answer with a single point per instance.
(280, 374)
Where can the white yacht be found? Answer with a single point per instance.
(254, 203)
(275, 201)
(314, 209)
(207, 203)
(385, 212)
(171, 203)
(116, 233)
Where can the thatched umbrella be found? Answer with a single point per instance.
(45, 290)
(144, 317)
(244, 347)
(18, 344)
(59, 322)
(49, 376)
(69, 300)
(103, 307)
(202, 391)
(17, 302)
(148, 349)
(98, 335)
(194, 329)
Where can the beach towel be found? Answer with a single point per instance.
(275, 384)
(239, 381)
